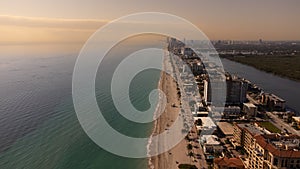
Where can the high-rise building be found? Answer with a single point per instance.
(236, 90)
(207, 93)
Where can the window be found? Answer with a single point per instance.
(275, 162)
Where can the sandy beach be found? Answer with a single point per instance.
(178, 154)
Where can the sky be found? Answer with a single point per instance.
(73, 21)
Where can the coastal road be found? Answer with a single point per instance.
(281, 124)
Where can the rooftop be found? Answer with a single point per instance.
(274, 97)
(250, 105)
(296, 118)
(210, 140)
(281, 146)
(229, 162)
(254, 130)
(207, 122)
(226, 128)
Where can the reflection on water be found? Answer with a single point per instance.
(285, 88)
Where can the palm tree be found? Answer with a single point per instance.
(190, 154)
(189, 147)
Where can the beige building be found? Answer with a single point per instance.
(250, 110)
(296, 121)
(273, 102)
(276, 152)
(243, 135)
(226, 128)
(211, 144)
(267, 151)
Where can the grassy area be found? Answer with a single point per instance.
(285, 66)
(269, 126)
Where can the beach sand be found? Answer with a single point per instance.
(178, 154)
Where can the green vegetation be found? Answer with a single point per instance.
(188, 138)
(192, 103)
(285, 66)
(269, 126)
(198, 122)
(191, 154)
(227, 141)
(189, 146)
(187, 166)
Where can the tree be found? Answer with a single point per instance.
(199, 122)
(187, 166)
(190, 154)
(189, 146)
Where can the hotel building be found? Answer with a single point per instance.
(265, 150)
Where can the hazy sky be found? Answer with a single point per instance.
(72, 21)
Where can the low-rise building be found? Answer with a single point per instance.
(274, 152)
(211, 144)
(267, 151)
(226, 128)
(296, 121)
(273, 102)
(207, 125)
(250, 110)
(200, 114)
(228, 163)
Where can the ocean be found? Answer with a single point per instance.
(38, 125)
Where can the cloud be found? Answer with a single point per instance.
(15, 30)
(54, 23)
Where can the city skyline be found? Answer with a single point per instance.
(73, 22)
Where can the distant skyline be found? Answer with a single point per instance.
(34, 21)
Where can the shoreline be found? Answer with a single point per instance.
(178, 154)
(150, 163)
